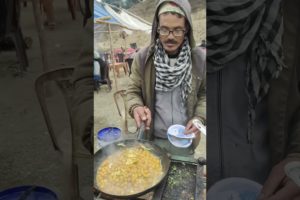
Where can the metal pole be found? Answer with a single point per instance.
(38, 23)
(112, 57)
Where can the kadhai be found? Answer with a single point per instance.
(129, 171)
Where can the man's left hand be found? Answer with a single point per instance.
(278, 186)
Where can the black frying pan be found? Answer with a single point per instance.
(109, 149)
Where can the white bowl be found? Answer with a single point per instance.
(234, 189)
(177, 137)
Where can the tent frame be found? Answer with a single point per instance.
(102, 21)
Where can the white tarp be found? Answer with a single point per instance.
(128, 20)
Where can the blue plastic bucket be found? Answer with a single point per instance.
(108, 135)
(28, 193)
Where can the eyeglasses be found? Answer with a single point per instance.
(166, 32)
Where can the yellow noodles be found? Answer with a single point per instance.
(129, 171)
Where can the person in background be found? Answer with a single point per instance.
(97, 71)
(203, 44)
(167, 81)
(49, 10)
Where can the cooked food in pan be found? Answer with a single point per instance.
(129, 171)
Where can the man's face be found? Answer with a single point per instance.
(172, 22)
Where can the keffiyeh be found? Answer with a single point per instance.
(169, 77)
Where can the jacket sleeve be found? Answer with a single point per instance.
(200, 108)
(134, 90)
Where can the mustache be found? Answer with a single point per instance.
(170, 42)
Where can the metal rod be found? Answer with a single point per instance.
(112, 57)
(43, 45)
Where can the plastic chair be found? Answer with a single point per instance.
(122, 94)
(63, 79)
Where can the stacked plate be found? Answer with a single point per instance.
(177, 137)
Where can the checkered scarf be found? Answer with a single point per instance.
(168, 77)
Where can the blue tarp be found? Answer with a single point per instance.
(100, 11)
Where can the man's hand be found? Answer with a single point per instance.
(191, 128)
(142, 113)
(278, 186)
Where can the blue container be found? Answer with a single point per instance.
(109, 134)
(28, 193)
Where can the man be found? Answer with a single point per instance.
(97, 71)
(254, 94)
(167, 84)
(49, 10)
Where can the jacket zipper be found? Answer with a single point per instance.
(219, 110)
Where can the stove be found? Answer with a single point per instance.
(184, 181)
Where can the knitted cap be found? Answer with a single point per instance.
(170, 7)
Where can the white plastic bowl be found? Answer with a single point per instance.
(177, 137)
(234, 189)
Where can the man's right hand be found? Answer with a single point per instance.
(142, 113)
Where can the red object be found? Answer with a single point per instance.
(127, 52)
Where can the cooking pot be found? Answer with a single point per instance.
(112, 148)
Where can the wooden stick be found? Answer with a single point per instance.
(112, 57)
(99, 21)
(38, 23)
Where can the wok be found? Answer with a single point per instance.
(110, 149)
